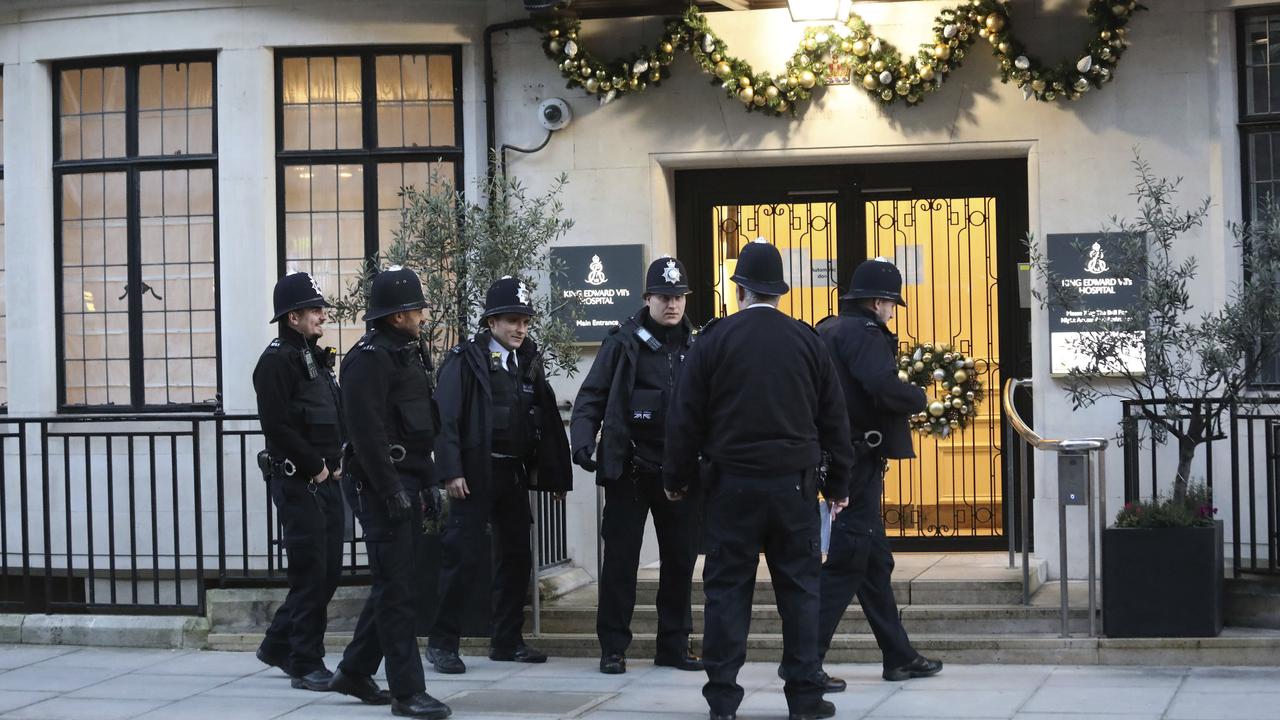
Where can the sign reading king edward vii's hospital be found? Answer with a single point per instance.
(607, 283)
(1103, 297)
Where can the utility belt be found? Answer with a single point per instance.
(277, 467)
(868, 445)
(806, 481)
(639, 465)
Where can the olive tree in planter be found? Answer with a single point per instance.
(460, 247)
(1163, 559)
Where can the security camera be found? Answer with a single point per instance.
(554, 114)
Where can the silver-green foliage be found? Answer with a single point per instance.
(460, 247)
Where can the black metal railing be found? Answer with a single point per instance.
(1248, 503)
(143, 513)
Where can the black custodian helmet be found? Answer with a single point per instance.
(508, 295)
(666, 276)
(760, 269)
(394, 290)
(876, 278)
(296, 291)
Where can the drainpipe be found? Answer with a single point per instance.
(490, 82)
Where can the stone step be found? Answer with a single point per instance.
(918, 619)
(1239, 647)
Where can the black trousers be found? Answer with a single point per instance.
(628, 502)
(503, 506)
(859, 562)
(745, 515)
(387, 626)
(313, 529)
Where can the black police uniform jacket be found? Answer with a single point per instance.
(465, 397)
(298, 403)
(604, 401)
(387, 394)
(865, 354)
(759, 397)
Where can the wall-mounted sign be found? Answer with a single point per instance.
(1103, 300)
(607, 282)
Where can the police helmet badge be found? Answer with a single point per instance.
(522, 294)
(672, 273)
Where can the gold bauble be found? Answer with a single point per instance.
(1037, 85)
(955, 390)
(1105, 34)
(846, 46)
(1003, 47)
(554, 46)
(961, 376)
(903, 376)
(983, 33)
(716, 57)
(918, 366)
(587, 72)
(633, 83)
(744, 81)
(810, 44)
(1081, 85)
(655, 76)
(746, 95)
(782, 106)
(948, 357)
(870, 82)
(957, 403)
(994, 22)
(879, 66)
(592, 85)
(926, 73)
(555, 32)
(936, 408)
(606, 86)
(928, 357)
(1119, 10)
(969, 363)
(667, 48)
(954, 424)
(723, 70)
(861, 48)
(758, 101)
(808, 79)
(902, 87)
(771, 93)
(941, 51)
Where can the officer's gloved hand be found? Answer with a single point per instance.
(399, 505)
(582, 458)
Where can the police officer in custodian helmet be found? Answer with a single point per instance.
(628, 390)
(387, 393)
(299, 408)
(859, 561)
(500, 436)
(760, 401)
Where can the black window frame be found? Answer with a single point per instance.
(4, 318)
(368, 155)
(1247, 126)
(132, 165)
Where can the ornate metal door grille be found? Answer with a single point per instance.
(946, 249)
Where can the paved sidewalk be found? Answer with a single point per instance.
(47, 682)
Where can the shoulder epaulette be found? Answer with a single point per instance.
(457, 349)
(275, 342)
(706, 326)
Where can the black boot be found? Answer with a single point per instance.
(613, 664)
(918, 668)
(267, 658)
(445, 661)
(316, 681)
(684, 661)
(361, 687)
(420, 705)
(823, 709)
(521, 653)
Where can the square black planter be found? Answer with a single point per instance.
(1162, 582)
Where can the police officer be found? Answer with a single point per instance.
(631, 382)
(500, 436)
(760, 400)
(387, 394)
(859, 560)
(299, 409)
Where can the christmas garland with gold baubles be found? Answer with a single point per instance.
(926, 365)
(873, 63)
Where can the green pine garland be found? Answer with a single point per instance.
(876, 64)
